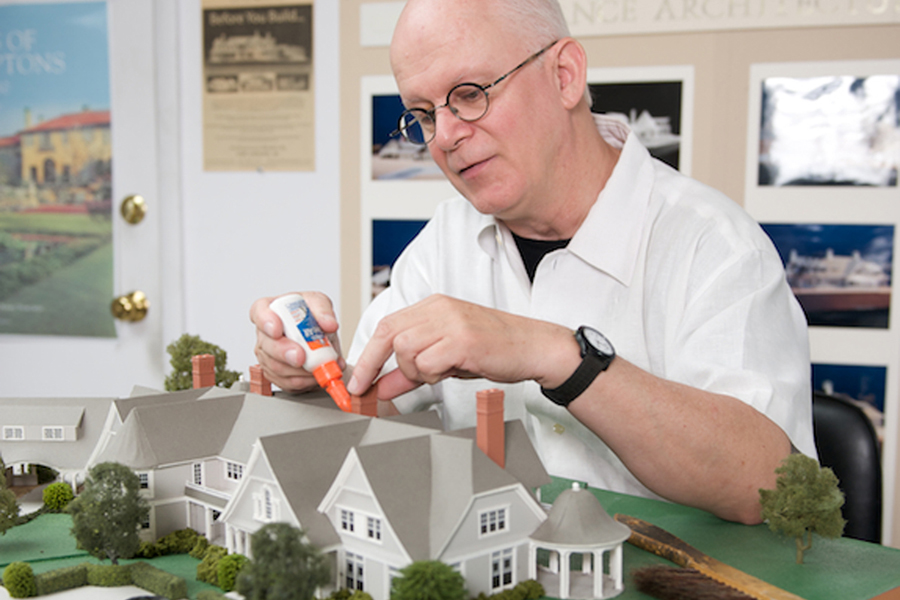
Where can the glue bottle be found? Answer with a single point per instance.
(321, 357)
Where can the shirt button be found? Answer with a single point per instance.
(558, 428)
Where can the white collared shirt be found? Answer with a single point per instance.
(682, 281)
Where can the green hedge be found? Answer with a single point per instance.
(62, 579)
(146, 576)
(182, 541)
(108, 575)
(228, 568)
(210, 595)
(57, 496)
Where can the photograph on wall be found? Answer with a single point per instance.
(841, 274)
(836, 130)
(258, 97)
(389, 238)
(56, 251)
(392, 156)
(863, 385)
(651, 109)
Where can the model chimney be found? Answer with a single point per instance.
(491, 430)
(367, 404)
(259, 384)
(204, 370)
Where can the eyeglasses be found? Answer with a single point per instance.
(467, 101)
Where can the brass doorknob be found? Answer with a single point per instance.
(130, 307)
(133, 209)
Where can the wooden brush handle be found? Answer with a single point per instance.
(654, 539)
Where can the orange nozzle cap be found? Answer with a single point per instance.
(330, 377)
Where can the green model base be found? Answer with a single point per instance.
(844, 568)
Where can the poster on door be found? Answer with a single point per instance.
(258, 95)
(56, 253)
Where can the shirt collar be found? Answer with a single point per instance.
(610, 237)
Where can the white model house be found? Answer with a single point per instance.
(373, 494)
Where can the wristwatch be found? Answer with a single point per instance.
(596, 353)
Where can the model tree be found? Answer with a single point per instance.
(428, 579)
(284, 566)
(9, 507)
(183, 350)
(806, 500)
(107, 514)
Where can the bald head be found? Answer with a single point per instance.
(533, 23)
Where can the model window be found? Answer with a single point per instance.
(346, 520)
(493, 521)
(501, 569)
(13, 432)
(373, 527)
(53, 433)
(198, 473)
(234, 471)
(144, 480)
(267, 506)
(354, 572)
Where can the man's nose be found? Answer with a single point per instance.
(449, 130)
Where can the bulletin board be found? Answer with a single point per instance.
(716, 61)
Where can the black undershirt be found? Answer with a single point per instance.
(533, 251)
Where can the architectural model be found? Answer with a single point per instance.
(373, 494)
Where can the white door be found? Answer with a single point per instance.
(141, 46)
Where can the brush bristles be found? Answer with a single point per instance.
(673, 583)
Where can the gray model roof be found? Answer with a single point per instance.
(161, 429)
(578, 519)
(522, 460)
(306, 462)
(423, 479)
(424, 486)
(69, 455)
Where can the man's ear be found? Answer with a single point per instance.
(571, 71)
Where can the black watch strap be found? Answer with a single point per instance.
(581, 379)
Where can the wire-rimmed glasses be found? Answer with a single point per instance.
(467, 101)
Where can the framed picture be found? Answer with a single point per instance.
(841, 274)
(655, 102)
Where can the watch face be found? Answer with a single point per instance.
(597, 340)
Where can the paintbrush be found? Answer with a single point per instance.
(654, 539)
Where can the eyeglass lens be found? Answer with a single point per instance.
(467, 101)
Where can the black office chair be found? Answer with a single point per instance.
(847, 443)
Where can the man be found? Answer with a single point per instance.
(566, 221)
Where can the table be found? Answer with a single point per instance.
(838, 569)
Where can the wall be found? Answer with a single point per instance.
(250, 234)
(721, 61)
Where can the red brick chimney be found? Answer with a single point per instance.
(367, 404)
(491, 430)
(259, 384)
(204, 370)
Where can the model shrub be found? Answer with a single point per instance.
(199, 548)
(210, 595)
(181, 541)
(159, 582)
(429, 579)
(360, 595)
(228, 568)
(108, 575)
(531, 589)
(58, 495)
(18, 578)
(207, 570)
(58, 580)
(147, 550)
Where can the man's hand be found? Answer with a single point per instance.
(280, 358)
(442, 337)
